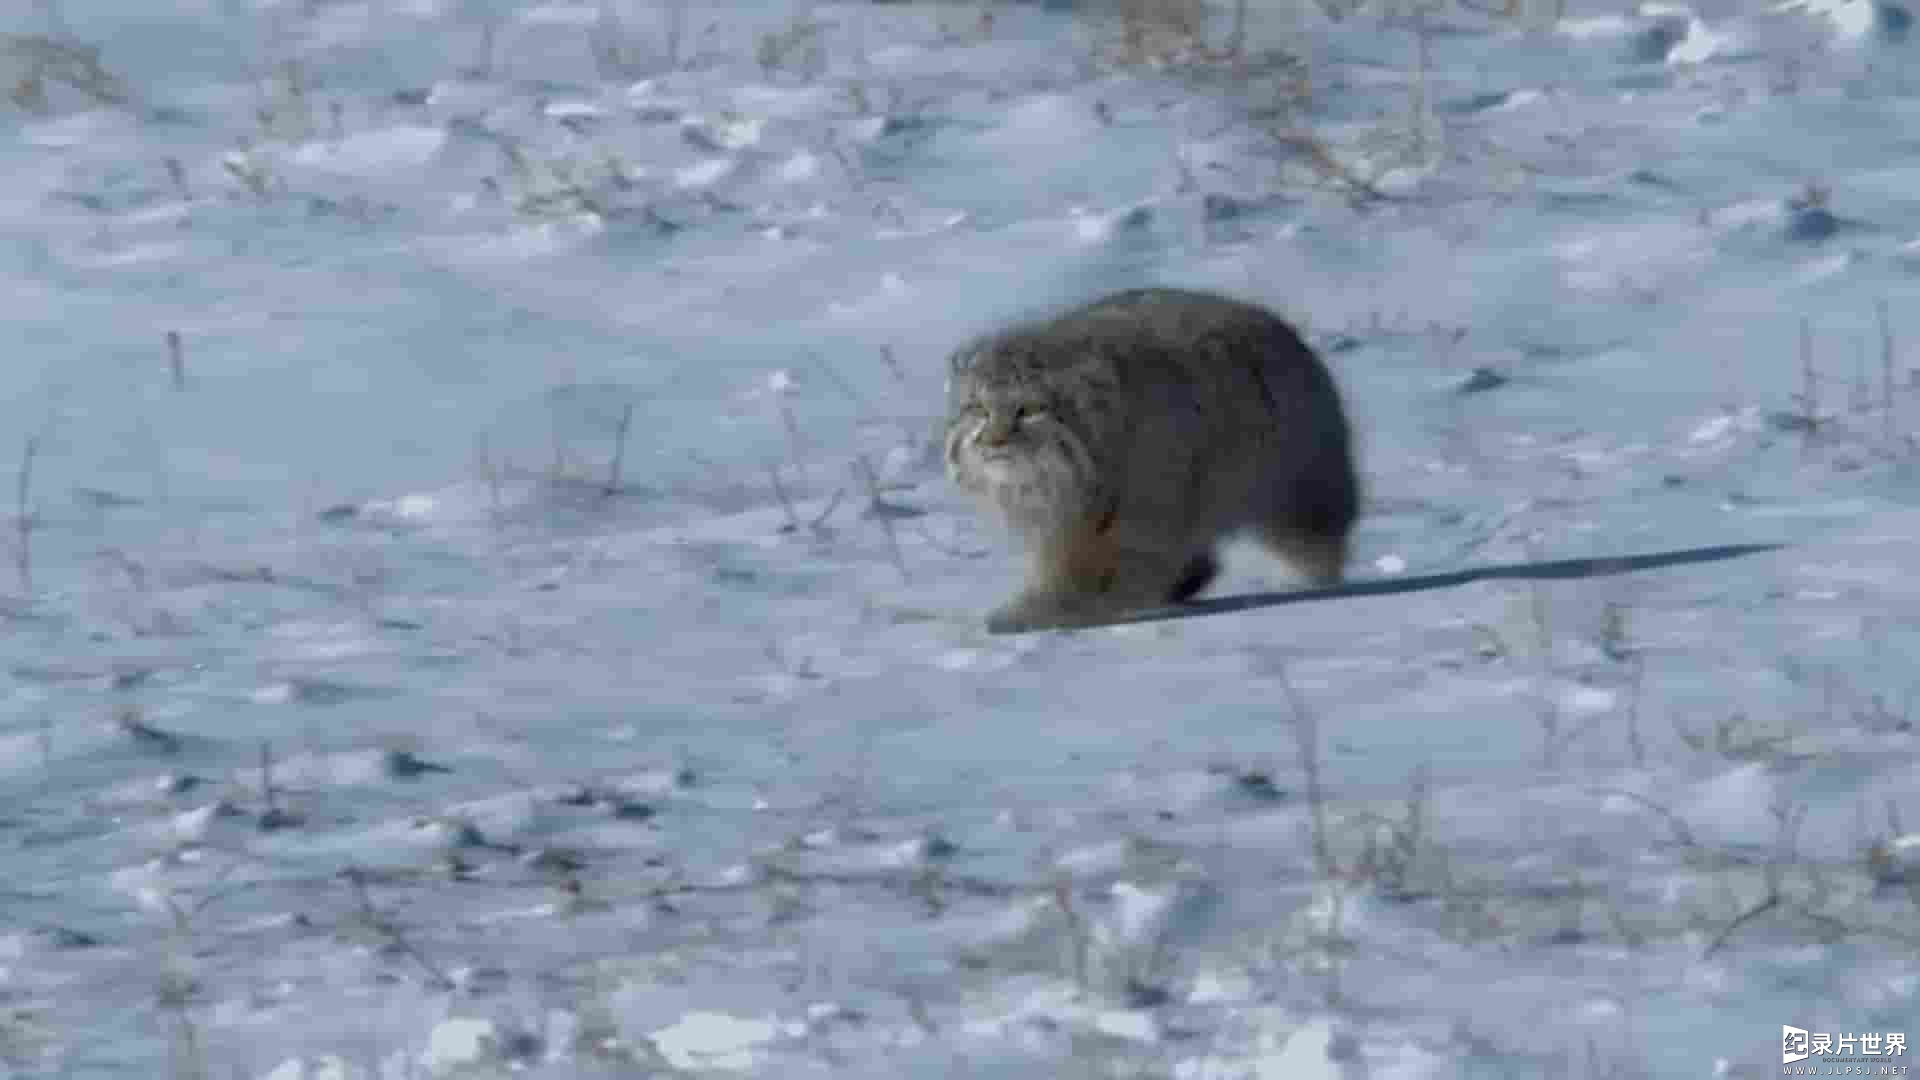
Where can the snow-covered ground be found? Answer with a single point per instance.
(486, 604)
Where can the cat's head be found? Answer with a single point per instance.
(1011, 441)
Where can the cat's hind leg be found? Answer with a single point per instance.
(1199, 573)
(1319, 557)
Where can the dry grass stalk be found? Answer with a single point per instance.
(44, 61)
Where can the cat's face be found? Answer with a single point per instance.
(1009, 443)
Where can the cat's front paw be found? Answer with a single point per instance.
(1012, 620)
(1039, 611)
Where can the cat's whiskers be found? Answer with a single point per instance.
(1036, 479)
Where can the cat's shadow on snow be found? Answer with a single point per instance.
(1552, 570)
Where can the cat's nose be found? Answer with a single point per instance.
(997, 431)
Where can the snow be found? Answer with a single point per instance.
(531, 634)
(708, 1040)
